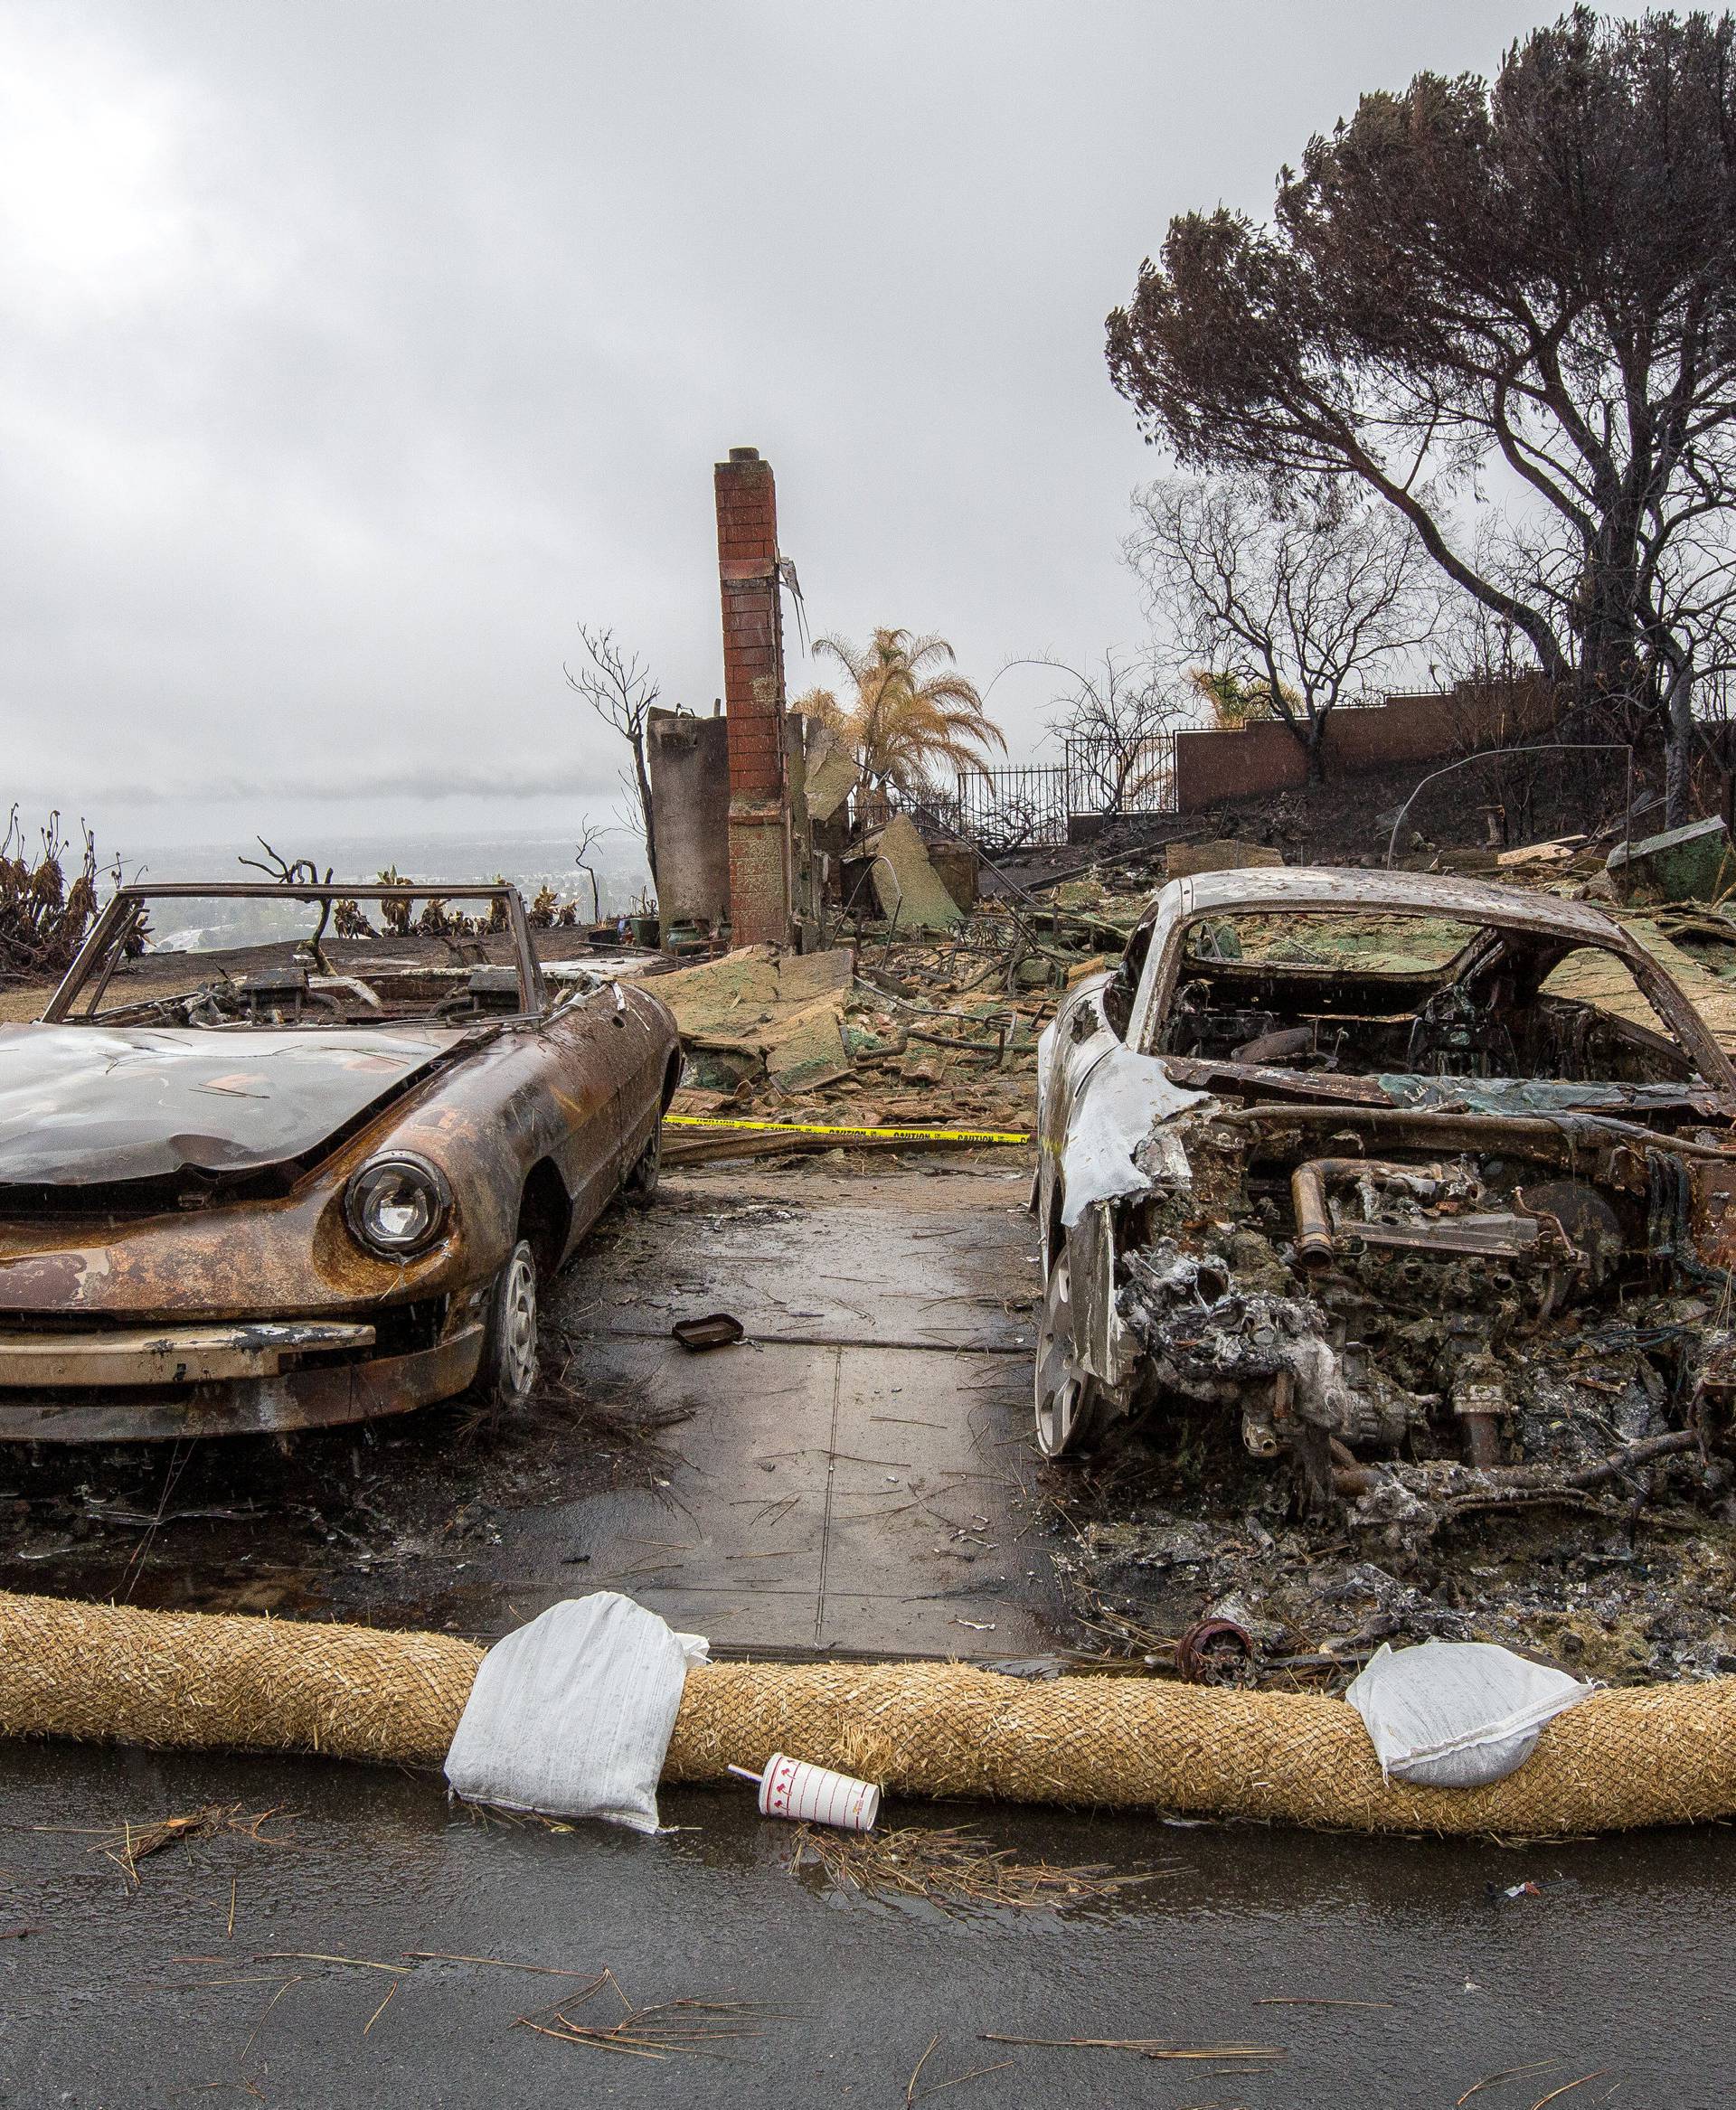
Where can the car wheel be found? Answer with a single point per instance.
(1069, 1402)
(640, 1186)
(506, 1376)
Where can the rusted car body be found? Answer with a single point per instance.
(297, 1197)
(1374, 1201)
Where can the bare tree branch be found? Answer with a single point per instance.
(621, 691)
(589, 833)
(1112, 720)
(289, 874)
(1305, 606)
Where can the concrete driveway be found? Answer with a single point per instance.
(858, 1474)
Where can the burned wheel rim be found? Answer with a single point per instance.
(641, 1182)
(1066, 1396)
(518, 1324)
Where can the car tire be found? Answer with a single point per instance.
(640, 1186)
(506, 1375)
(1070, 1405)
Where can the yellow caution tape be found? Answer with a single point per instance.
(819, 1128)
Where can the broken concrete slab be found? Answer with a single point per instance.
(1220, 853)
(1695, 863)
(906, 884)
(802, 976)
(960, 868)
(805, 1047)
(830, 781)
(746, 999)
(1600, 979)
(755, 1010)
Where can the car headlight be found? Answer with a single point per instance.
(397, 1205)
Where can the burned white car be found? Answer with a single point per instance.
(1374, 1163)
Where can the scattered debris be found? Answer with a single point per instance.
(1215, 1652)
(132, 1843)
(719, 1330)
(955, 1866)
(666, 2027)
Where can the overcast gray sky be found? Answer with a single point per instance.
(351, 350)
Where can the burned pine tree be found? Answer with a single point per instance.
(1536, 277)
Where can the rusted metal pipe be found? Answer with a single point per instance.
(1315, 1241)
(1568, 1140)
(1482, 1437)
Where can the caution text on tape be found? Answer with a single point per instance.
(822, 1128)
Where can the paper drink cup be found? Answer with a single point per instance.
(811, 1794)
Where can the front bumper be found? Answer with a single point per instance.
(154, 1386)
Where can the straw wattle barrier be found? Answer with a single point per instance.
(1643, 1755)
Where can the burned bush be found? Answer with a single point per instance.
(43, 919)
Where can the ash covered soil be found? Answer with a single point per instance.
(1159, 1530)
(393, 1522)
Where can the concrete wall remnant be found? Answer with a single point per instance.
(689, 761)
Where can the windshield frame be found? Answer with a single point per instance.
(117, 914)
(1178, 912)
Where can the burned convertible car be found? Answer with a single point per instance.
(303, 1193)
(1383, 1167)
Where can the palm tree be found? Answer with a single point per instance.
(908, 711)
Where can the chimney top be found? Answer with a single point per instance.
(744, 454)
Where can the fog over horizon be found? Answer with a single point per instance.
(351, 353)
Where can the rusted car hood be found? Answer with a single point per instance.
(82, 1105)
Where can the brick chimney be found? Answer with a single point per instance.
(753, 688)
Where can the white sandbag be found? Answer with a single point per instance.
(571, 1716)
(1458, 1713)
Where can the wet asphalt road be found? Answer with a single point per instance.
(121, 1997)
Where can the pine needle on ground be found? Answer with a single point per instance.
(693, 2026)
(951, 1866)
(127, 1844)
(1144, 2047)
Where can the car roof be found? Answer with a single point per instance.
(1265, 889)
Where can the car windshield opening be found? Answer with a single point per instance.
(1419, 997)
(268, 958)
